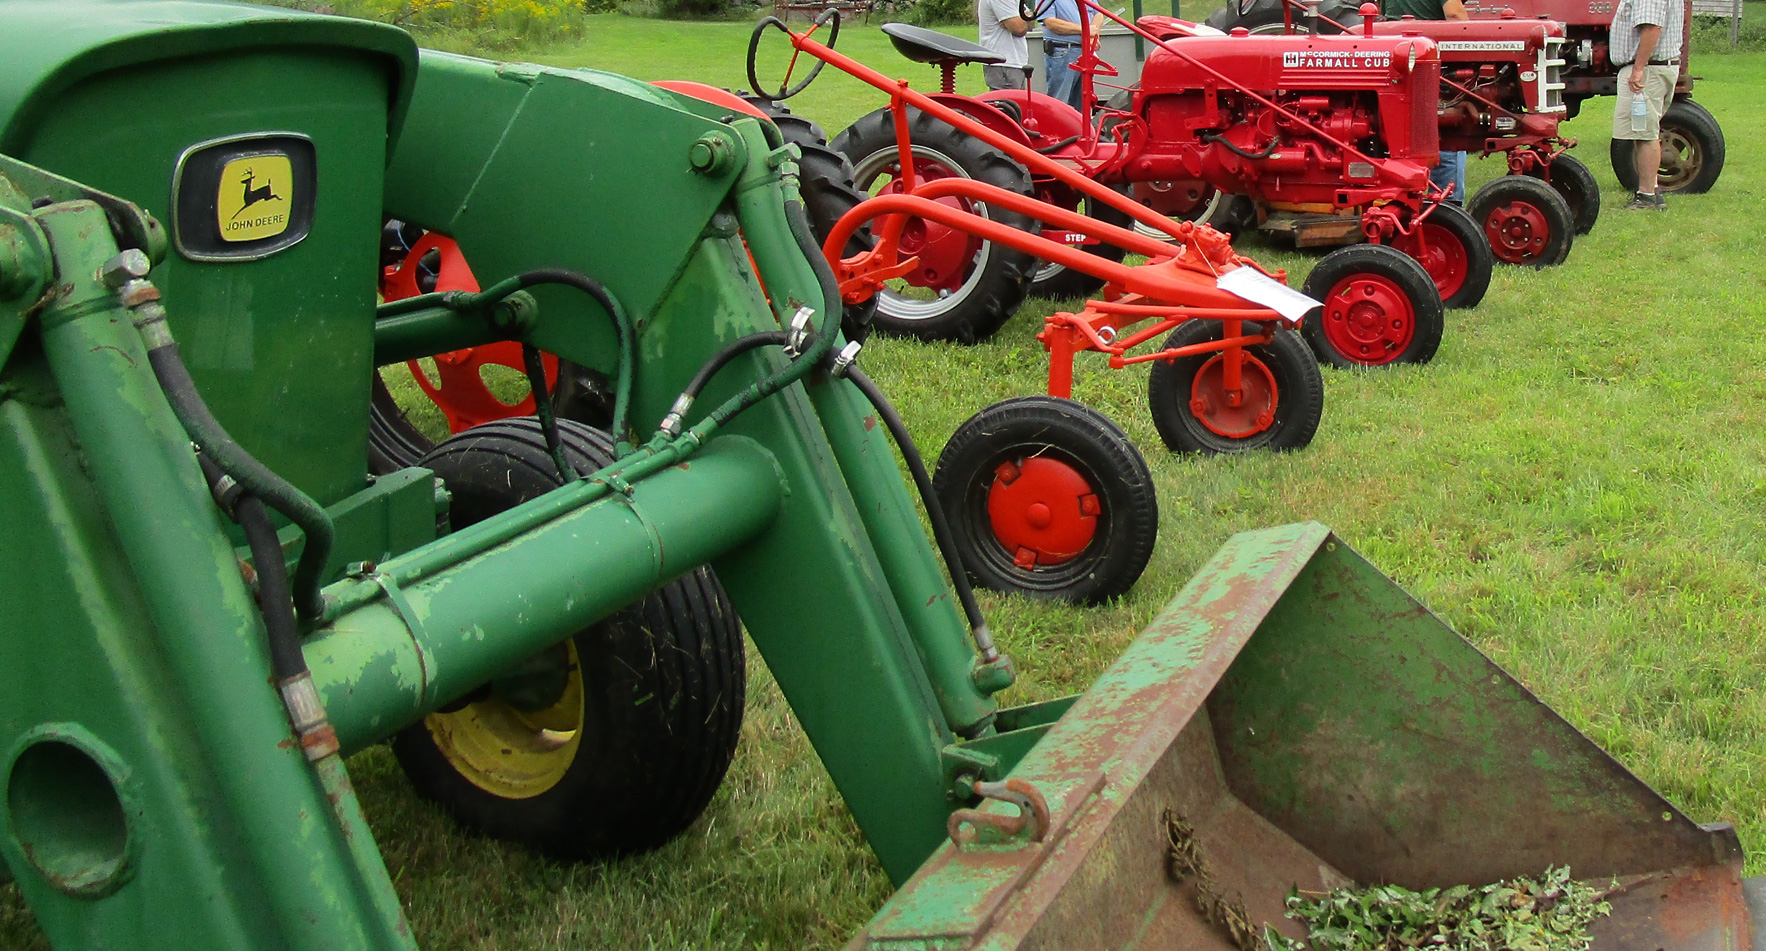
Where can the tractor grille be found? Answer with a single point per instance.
(1425, 121)
(1551, 76)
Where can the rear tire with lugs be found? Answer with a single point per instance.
(978, 284)
(613, 741)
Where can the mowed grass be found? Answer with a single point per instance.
(1577, 483)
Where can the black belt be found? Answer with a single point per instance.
(1048, 44)
(1655, 62)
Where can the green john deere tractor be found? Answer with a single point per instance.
(209, 603)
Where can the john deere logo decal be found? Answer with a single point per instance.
(256, 194)
(245, 197)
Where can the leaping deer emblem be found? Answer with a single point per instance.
(254, 195)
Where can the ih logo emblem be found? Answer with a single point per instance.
(256, 195)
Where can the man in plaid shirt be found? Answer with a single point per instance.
(1646, 42)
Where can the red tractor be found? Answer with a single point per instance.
(1693, 147)
(1304, 123)
(1502, 93)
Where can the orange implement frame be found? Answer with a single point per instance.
(1177, 284)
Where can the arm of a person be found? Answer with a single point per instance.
(1017, 26)
(1647, 37)
(1455, 10)
(1007, 13)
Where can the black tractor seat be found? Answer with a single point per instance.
(930, 46)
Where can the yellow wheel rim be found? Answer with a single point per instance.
(512, 753)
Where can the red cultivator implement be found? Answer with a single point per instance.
(1045, 494)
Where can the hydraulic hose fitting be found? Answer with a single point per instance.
(842, 361)
(801, 333)
(127, 275)
(671, 424)
(306, 712)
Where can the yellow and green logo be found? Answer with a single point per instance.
(255, 197)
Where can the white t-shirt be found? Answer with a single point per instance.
(997, 38)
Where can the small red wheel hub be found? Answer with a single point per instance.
(1517, 231)
(1367, 319)
(1043, 511)
(1234, 415)
(1440, 253)
(944, 252)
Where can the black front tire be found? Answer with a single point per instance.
(1380, 308)
(658, 690)
(997, 277)
(1693, 150)
(1175, 388)
(1096, 484)
(1570, 178)
(1526, 221)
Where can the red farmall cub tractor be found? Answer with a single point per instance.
(1693, 148)
(1502, 93)
(1344, 124)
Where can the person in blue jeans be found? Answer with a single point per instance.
(1060, 47)
(1452, 170)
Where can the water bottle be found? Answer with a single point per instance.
(1639, 112)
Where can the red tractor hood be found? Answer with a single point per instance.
(1269, 63)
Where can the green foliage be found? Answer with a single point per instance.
(488, 25)
(940, 12)
(1548, 913)
(1710, 35)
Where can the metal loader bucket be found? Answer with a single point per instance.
(1294, 718)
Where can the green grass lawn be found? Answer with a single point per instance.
(1577, 483)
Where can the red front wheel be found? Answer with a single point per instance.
(1380, 308)
(1450, 246)
(1525, 221)
(1276, 405)
(1047, 498)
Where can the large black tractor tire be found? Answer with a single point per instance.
(1380, 308)
(1693, 151)
(1047, 498)
(1060, 283)
(1453, 249)
(1258, 16)
(995, 278)
(1282, 394)
(825, 181)
(1570, 178)
(1526, 221)
(613, 741)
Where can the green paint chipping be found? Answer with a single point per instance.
(1549, 913)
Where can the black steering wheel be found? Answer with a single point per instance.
(829, 16)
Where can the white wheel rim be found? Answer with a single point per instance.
(889, 302)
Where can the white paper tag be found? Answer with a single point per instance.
(1258, 288)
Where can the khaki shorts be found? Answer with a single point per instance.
(1658, 89)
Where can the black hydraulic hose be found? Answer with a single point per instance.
(947, 545)
(730, 351)
(275, 598)
(535, 366)
(1058, 146)
(1266, 153)
(257, 479)
(798, 219)
(288, 665)
(623, 384)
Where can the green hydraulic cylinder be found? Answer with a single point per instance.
(425, 643)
